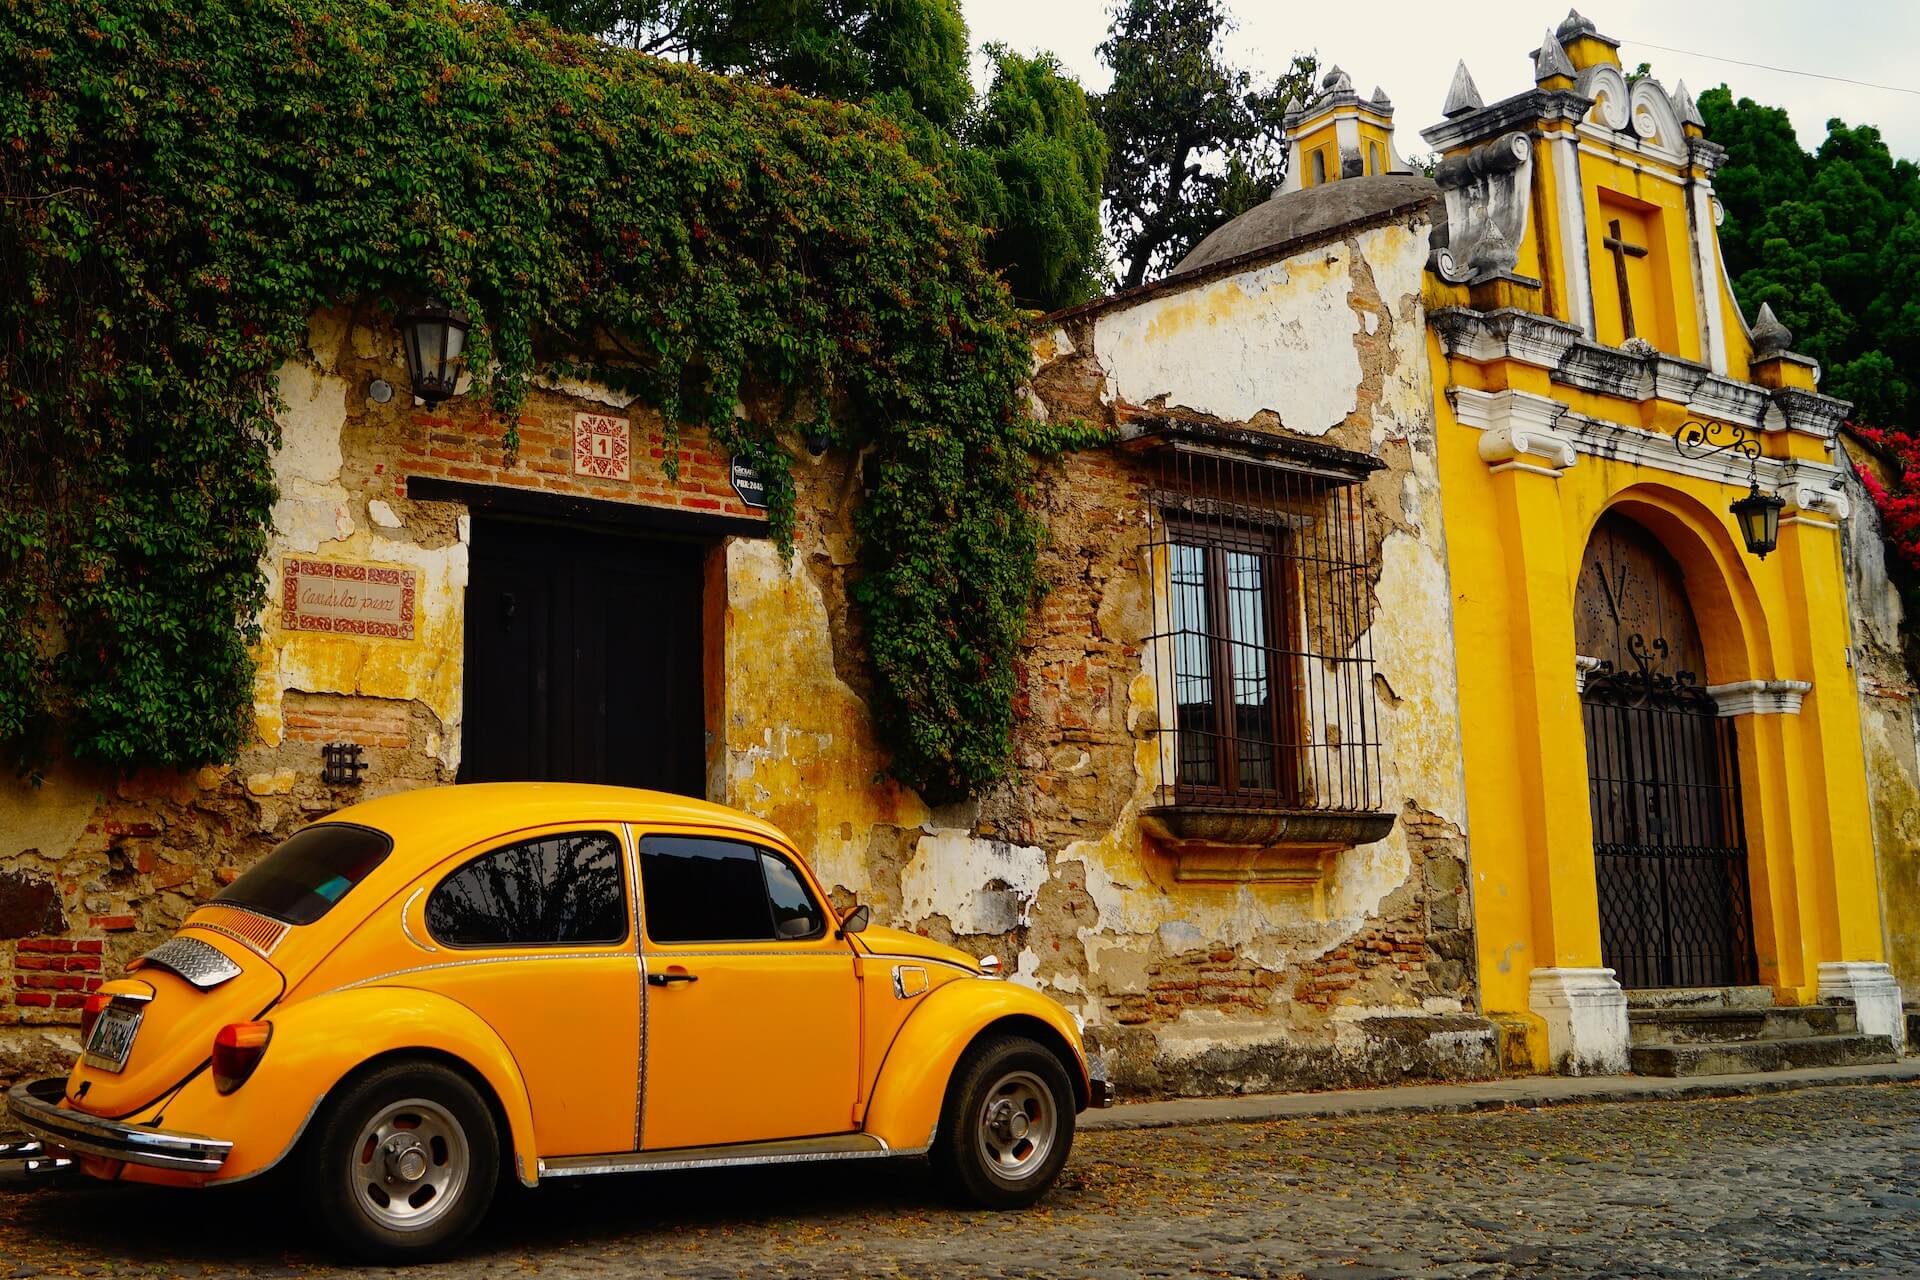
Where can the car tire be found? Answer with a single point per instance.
(403, 1163)
(1007, 1125)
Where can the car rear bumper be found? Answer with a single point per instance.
(35, 1106)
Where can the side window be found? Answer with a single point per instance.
(702, 889)
(554, 890)
(795, 914)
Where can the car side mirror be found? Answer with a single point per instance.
(855, 920)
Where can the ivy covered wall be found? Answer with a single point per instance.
(181, 185)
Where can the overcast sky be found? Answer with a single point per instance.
(1409, 48)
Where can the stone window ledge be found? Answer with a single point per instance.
(1231, 843)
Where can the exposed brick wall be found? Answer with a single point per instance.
(47, 976)
(461, 442)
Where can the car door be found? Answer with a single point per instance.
(752, 1006)
(536, 934)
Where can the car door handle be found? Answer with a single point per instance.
(662, 979)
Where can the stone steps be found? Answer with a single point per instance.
(1721, 1025)
(1691, 999)
(1746, 1056)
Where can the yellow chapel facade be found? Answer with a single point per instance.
(1660, 725)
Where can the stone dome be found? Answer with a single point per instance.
(1294, 215)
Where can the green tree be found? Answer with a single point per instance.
(1032, 159)
(1026, 160)
(1830, 240)
(1191, 139)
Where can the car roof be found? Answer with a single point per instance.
(447, 819)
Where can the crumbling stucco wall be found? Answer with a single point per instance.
(1889, 719)
(1184, 987)
(1191, 987)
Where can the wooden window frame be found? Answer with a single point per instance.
(1280, 591)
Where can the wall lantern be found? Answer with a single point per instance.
(1757, 514)
(436, 340)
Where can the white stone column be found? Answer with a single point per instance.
(1586, 1016)
(1870, 988)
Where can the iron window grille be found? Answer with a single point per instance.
(1262, 638)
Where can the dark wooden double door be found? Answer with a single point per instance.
(584, 660)
(1670, 857)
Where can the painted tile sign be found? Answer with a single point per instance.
(601, 446)
(348, 599)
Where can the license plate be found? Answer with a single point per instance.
(112, 1038)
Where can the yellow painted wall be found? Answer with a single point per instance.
(1515, 546)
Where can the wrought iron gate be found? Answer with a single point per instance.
(1669, 848)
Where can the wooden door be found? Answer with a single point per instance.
(583, 658)
(1670, 857)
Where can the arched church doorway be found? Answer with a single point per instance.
(1670, 853)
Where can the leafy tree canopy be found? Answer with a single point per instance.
(1831, 240)
(1192, 139)
(1026, 157)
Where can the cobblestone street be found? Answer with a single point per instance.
(1816, 1183)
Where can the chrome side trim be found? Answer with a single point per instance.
(794, 952)
(516, 958)
(407, 928)
(35, 1106)
(889, 955)
(841, 1146)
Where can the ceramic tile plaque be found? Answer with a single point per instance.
(348, 599)
(600, 446)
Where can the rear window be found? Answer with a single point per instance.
(309, 871)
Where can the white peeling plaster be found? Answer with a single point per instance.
(979, 885)
(383, 515)
(1413, 653)
(581, 389)
(1279, 339)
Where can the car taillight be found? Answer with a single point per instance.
(237, 1050)
(90, 1013)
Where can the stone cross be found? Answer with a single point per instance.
(1621, 251)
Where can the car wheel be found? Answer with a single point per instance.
(404, 1163)
(1007, 1125)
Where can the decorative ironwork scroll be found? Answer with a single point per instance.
(1704, 439)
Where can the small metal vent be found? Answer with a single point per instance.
(259, 933)
(201, 963)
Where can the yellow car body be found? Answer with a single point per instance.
(615, 1053)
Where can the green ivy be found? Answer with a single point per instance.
(183, 182)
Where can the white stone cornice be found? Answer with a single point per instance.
(1809, 412)
(1730, 400)
(1507, 333)
(1516, 429)
(1760, 697)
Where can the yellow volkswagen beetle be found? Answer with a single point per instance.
(415, 994)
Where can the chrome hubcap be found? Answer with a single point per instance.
(1017, 1125)
(410, 1164)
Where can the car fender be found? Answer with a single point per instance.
(318, 1042)
(912, 1085)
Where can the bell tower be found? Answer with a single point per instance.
(1339, 134)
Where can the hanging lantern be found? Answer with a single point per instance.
(436, 339)
(1758, 515)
